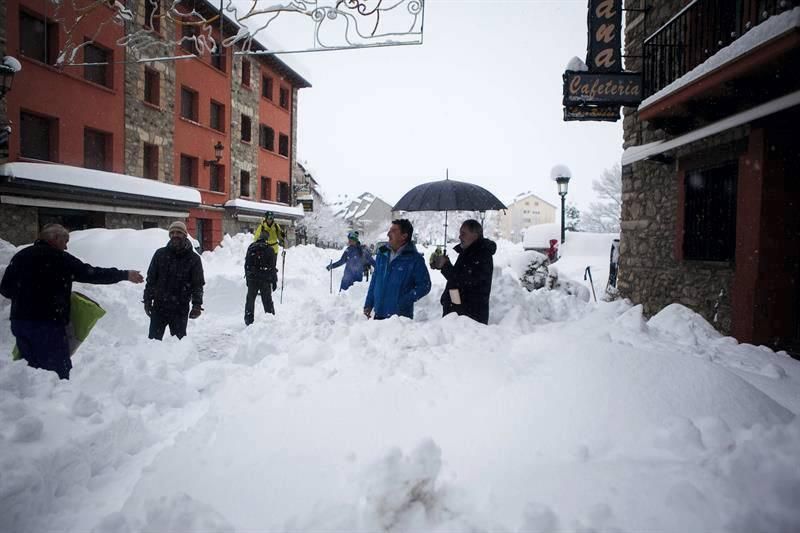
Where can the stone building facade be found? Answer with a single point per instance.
(689, 118)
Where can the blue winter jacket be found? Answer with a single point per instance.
(395, 286)
(355, 258)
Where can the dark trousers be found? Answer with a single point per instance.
(176, 320)
(254, 288)
(478, 314)
(43, 345)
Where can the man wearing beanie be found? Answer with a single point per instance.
(355, 258)
(174, 280)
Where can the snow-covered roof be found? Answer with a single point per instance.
(770, 29)
(355, 209)
(637, 153)
(263, 207)
(99, 180)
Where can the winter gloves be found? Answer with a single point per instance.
(274, 287)
(148, 307)
(195, 312)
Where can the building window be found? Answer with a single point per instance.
(266, 137)
(149, 224)
(150, 161)
(266, 87)
(244, 183)
(38, 137)
(189, 104)
(245, 73)
(218, 58)
(152, 86)
(101, 73)
(96, 149)
(152, 20)
(266, 188)
(283, 145)
(217, 178)
(38, 38)
(217, 116)
(283, 192)
(247, 133)
(284, 98)
(188, 170)
(188, 32)
(710, 213)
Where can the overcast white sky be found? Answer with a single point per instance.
(481, 96)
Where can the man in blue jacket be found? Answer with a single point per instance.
(401, 276)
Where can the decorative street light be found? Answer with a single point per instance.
(561, 175)
(8, 68)
(217, 154)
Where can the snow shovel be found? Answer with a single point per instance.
(283, 272)
(588, 272)
(331, 271)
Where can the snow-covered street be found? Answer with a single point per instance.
(561, 415)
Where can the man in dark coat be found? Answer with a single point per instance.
(175, 278)
(38, 281)
(261, 275)
(469, 281)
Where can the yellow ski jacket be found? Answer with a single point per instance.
(274, 234)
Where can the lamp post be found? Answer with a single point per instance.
(561, 175)
(217, 155)
(8, 67)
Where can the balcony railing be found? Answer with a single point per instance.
(699, 31)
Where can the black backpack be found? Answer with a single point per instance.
(259, 263)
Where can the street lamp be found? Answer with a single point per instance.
(217, 154)
(561, 175)
(8, 68)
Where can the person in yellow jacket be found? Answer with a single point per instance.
(273, 232)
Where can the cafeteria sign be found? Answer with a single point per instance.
(598, 92)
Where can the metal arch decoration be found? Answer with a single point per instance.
(151, 30)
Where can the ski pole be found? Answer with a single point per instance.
(588, 272)
(331, 271)
(283, 271)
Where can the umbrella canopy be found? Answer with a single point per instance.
(448, 195)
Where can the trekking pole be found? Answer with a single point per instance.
(283, 272)
(331, 271)
(588, 272)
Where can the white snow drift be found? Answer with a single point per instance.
(558, 416)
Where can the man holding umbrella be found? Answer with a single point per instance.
(469, 281)
(401, 277)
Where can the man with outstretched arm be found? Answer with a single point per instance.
(38, 281)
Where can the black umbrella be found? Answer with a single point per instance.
(448, 195)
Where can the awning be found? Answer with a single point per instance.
(65, 182)
(250, 211)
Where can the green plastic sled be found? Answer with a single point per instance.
(83, 315)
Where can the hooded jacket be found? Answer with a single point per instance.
(175, 277)
(355, 258)
(396, 285)
(259, 263)
(39, 282)
(472, 276)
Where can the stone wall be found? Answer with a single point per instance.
(19, 224)
(244, 156)
(127, 220)
(650, 273)
(145, 123)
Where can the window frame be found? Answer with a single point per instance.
(220, 116)
(246, 72)
(49, 51)
(150, 168)
(709, 222)
(266, 188)
(281, 139)
(105, 72)
(267, 82)
(284, 100)
(194, 103)
(193, 165)
(152, 79)
(282, 188)
(216, 172)
(152, 21)
(51, 134)
(264, 139)
(244, 178)
(246, 118)
(107, 142)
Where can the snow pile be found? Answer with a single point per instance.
(558, 415)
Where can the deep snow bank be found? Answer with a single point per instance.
(558, 415)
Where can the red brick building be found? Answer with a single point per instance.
(160, 122)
